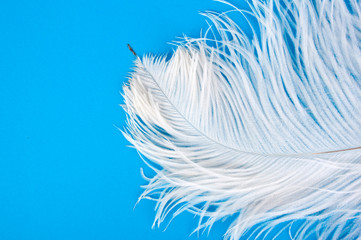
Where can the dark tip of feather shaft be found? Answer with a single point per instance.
(131, 49)
(341, 150)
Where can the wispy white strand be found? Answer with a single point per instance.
(266, 128)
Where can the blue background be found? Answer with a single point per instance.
(66, 171)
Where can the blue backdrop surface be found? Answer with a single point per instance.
(66, 171)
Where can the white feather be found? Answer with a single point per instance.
(267, 128)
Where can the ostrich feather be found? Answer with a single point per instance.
(265, 128)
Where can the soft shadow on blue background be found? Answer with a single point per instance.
(65, 170)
